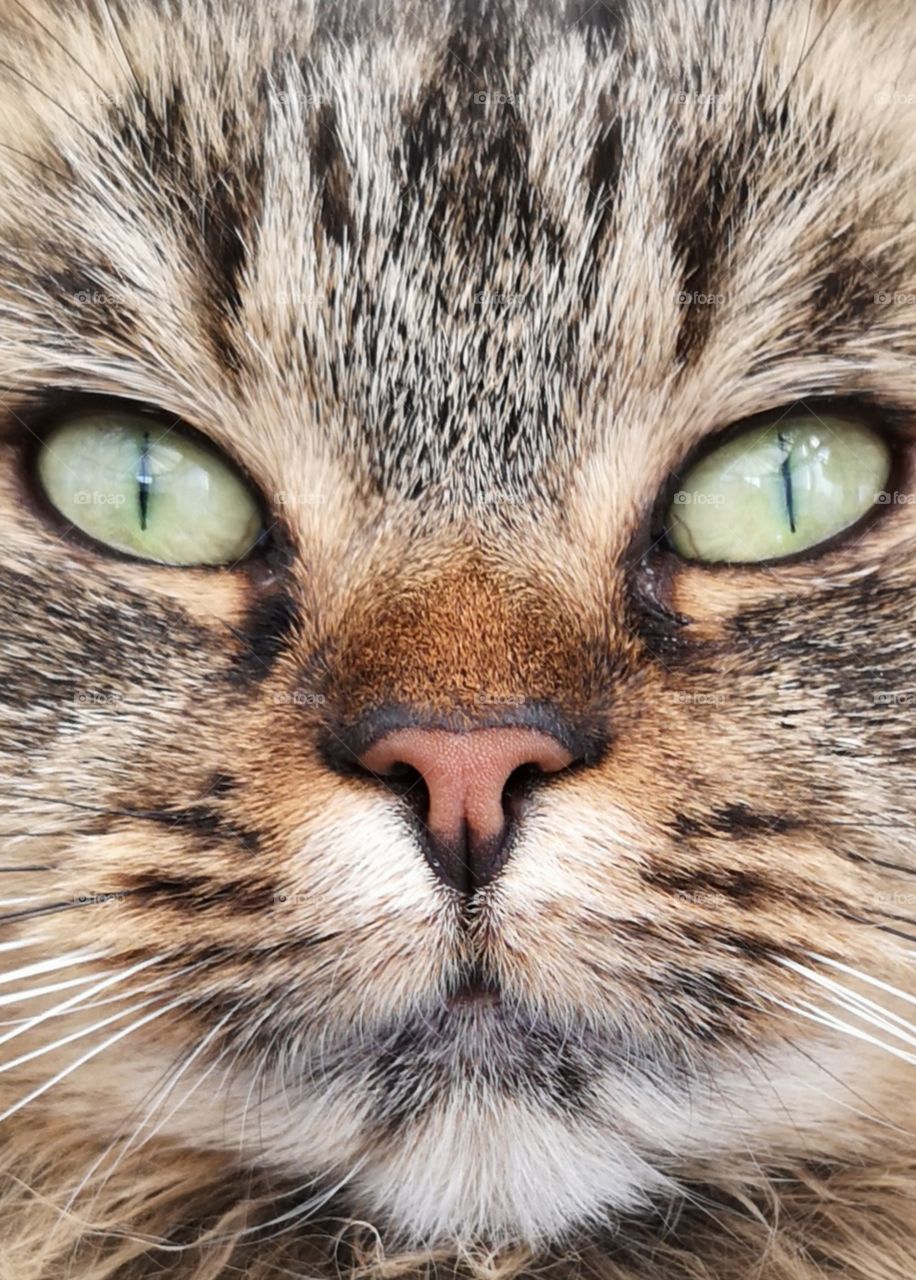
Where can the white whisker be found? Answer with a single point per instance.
(87, 1057)
(865, 977)
(32, 993)
(50, 966)
(78, 998)
(80, 1034)
(855, 1002)
(827, 1019)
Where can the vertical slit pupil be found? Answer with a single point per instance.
(144, 481)
(786, 470)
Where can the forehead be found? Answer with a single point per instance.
(454, 252)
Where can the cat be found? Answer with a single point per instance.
(456, 814)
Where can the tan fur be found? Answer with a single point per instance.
(421, 273)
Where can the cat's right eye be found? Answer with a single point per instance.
(135, 484)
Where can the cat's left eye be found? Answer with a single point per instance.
(778, 488)
(138, 486)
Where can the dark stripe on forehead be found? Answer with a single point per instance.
(233, 180)
(852, 287)
(602, 22)
(217, 198)
(707, 197)
(331, 175)
(602, 176)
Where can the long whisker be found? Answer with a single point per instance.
(50, 966)
(172, 1080)
(78, 998)
(827, 1019)
(92, 1053)
(73, 1035)
(861, 1006)
(33, 993)
(865, 977)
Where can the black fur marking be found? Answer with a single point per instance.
(229, 223)
(734, 820)
(603, 22)
(422, 1063)
(851, 290)
(705, 885)
(603, 177)
(209, 823)
(331, 173)
(198, 893)
(271, 624)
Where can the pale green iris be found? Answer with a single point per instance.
(132, 483)
(774, 490)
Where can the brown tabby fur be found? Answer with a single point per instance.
(421, 270)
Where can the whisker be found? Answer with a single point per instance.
(32, 993)
(87, 1057)
(172, 1080)
(865, 977)
(50, 966)
(80, 1034)
(827, 1019)
(76, 999)
(868, 1011)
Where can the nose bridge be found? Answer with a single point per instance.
(469, 639)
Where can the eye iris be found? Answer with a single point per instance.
(778, 489)
(150, 492)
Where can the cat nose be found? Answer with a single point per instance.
(470, 797)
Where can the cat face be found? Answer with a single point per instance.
(464, 846)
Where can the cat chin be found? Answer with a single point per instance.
(478, 1165)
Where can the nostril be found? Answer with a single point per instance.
(409, 785)
(519, 786)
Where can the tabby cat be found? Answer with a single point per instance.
(458, 505)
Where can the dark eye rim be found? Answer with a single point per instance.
(33, 423)
(894, 425)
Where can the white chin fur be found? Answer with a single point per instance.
(516, 1177)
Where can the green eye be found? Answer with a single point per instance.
(139, 487)
(775, 490)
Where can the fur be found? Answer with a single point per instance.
(459, 288)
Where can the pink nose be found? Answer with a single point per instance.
(469, 798)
